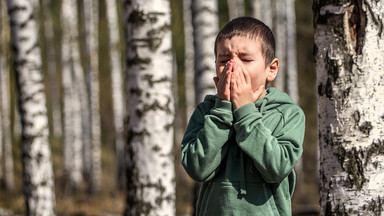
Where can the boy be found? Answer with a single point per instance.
(244, 142)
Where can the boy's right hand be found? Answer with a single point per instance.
(223, 83)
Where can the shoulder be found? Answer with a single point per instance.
(207, 104)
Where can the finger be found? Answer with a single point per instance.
(216, 80)
(246, 76)
(234, 80)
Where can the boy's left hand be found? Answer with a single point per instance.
(241, 87)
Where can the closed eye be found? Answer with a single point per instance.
(223, 61)
(246, 60)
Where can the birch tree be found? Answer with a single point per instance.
(256, 9)
(235, 8)
(72, 80)
(291, 57)
(150, 166)
(91, 14)
(349, 56)
(189, 68)
(205, 28)
(262, 10)
(280, 31)
(5, 123)
(117, 90)
(38, 181)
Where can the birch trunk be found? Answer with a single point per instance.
(291, 59)
(150, 166)
(71, 69)
(38, 181)
(5, 138)
(280, 31)
(91, 10)
(235, 8)
(189, 68)
(256, 9)
(117, 90)
(205, 27)
(349, 55)
(267, 14)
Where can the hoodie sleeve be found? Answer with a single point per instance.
(205, 141)
(274, 154)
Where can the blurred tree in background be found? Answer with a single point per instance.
(74, 76)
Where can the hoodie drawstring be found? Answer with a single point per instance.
(243, 190)
(265, 101)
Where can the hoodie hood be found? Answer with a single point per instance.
(274, 98)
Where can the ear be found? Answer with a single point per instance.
(272, 68)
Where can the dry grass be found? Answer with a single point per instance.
(108, 201)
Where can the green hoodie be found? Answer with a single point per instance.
(244, 157)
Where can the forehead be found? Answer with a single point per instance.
(238, 44)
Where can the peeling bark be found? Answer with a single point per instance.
(349, 64)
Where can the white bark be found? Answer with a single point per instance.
(349, 53)
(91, 10)
(117, 90)
(235, 8)
(71, 71)
(256, 9)
(150, 166)
(291, 63)
(38, 179)
(205, 27)
(266, 13)
(280, 31)
(189, 68)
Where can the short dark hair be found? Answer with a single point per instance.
(251, 28)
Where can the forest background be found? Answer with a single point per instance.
(110, 199)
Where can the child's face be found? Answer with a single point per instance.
(247, 52)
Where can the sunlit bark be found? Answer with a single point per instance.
(205, 27)
(150, 166)
(38, 181)
(349, 55)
